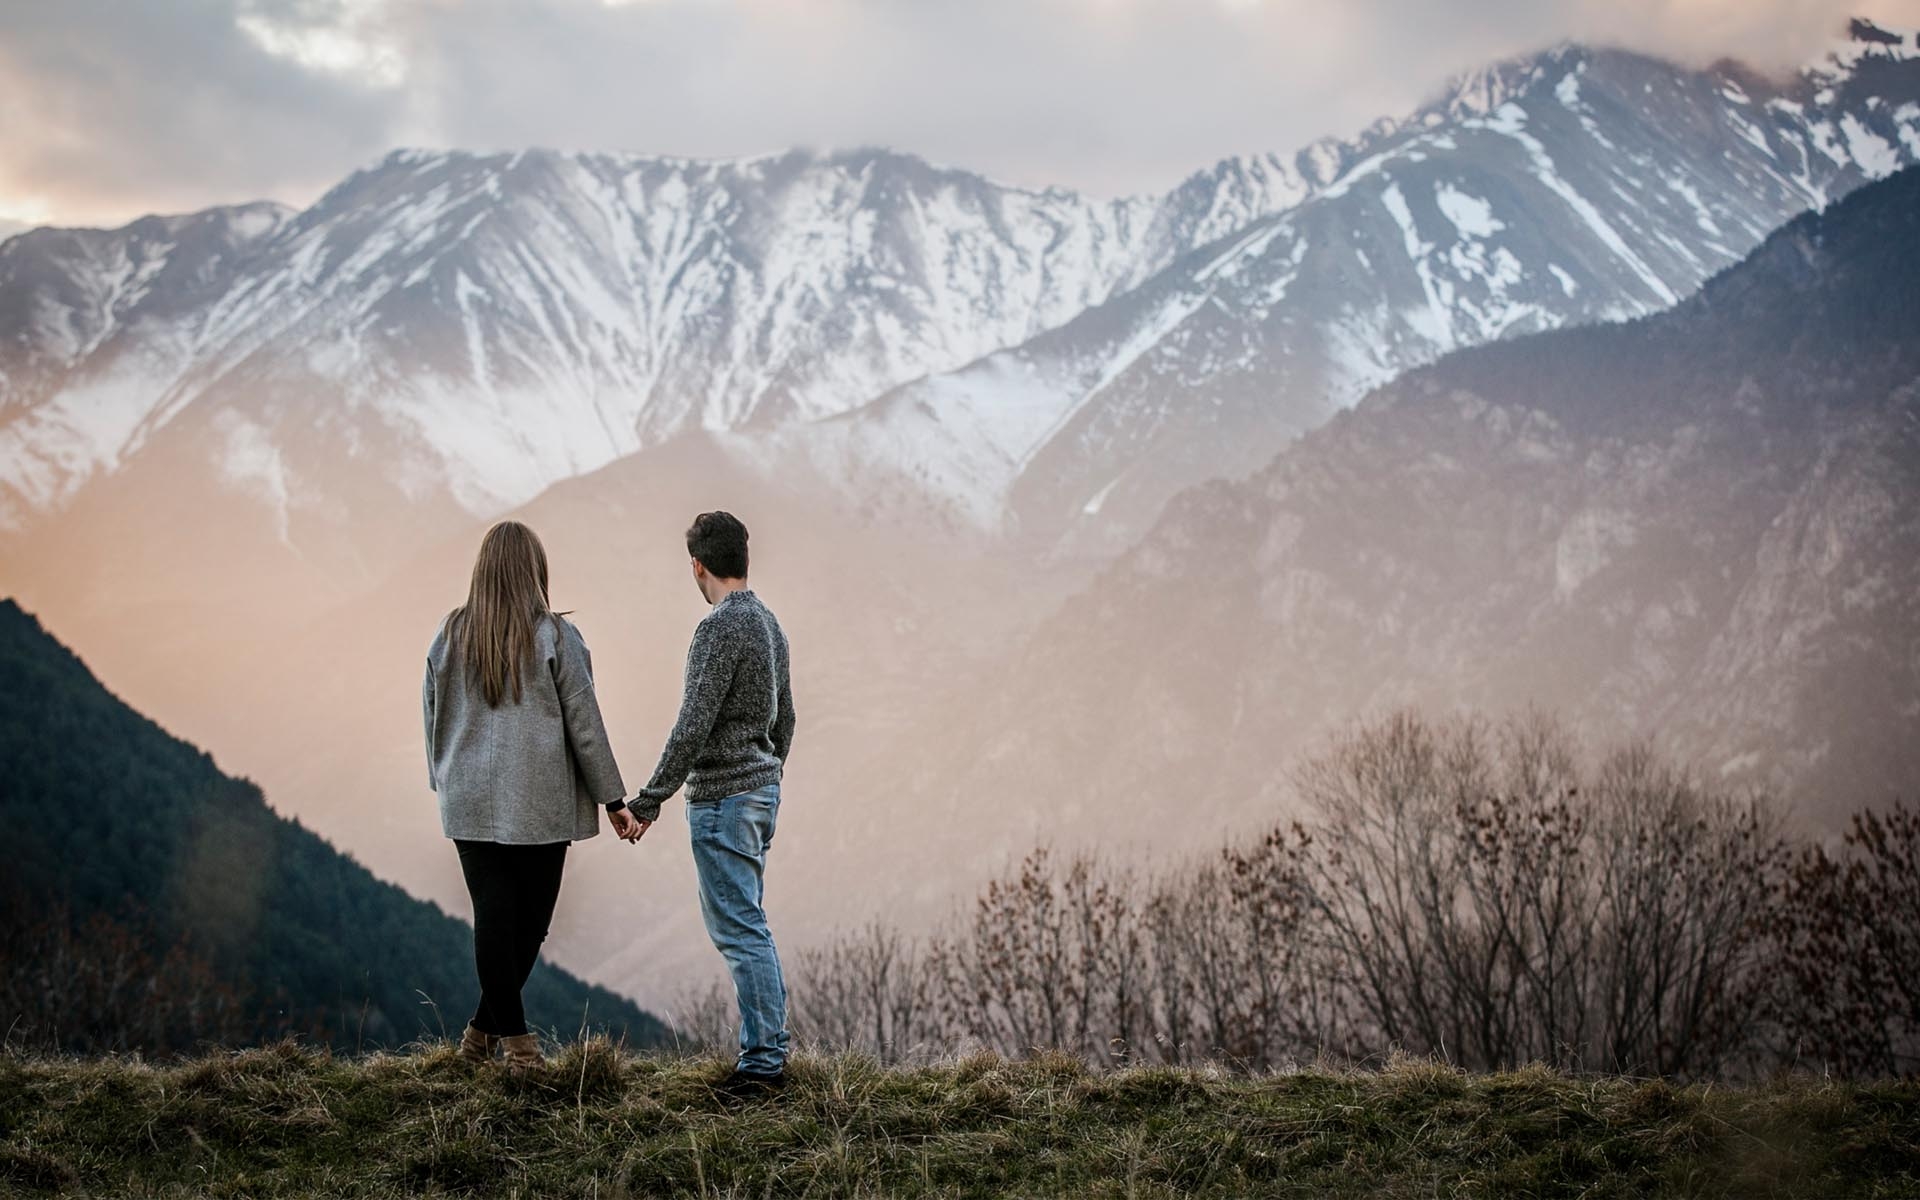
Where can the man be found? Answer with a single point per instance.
(729, 747)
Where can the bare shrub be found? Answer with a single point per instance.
(1050, 959)
(1492, 912)
(1468, 891)
(870, 990)
(1238, 971)
(105, 985)
(1847, 933)
(704, 1018)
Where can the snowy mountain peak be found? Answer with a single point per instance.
(1567, 187)
(1483, 90)
(477, 327)
(502, 321)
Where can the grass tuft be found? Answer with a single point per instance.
(286, 1120)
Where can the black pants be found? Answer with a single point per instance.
(513, 890)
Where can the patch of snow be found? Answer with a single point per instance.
(1431, 321)
(1472, 216)
(1510, 119)
(1748, 130)
(1702, 215)
(1874, 155)
(248, 459)
(1821, 133)
(1567, 91)
(1092, 506)
(1907, 120)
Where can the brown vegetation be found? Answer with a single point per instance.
(1474, 892)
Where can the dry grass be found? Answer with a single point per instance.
(289, 1121)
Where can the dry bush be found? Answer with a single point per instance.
(1847, 935)
(704, 1018)
(1472, 892)
(870, 990)
(104, 985)
(1050, 959)
(1239, 970)
(1494, 905)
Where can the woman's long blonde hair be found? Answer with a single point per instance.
(493, 633)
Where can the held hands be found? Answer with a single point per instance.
(627, 827)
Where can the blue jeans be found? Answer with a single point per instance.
(730, 841)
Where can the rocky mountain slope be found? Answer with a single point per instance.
(1702, 528)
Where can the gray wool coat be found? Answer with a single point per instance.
(527, 773)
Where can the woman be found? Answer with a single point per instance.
(519, 756)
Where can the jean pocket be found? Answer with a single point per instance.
(753, 821)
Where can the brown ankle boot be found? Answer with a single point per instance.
(476, 1046)
(522, 1051)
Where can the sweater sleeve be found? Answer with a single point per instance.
(580, 709)
(783, 719)
(710, 664)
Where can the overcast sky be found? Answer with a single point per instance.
(120, 107)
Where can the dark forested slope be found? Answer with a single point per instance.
(152, 901)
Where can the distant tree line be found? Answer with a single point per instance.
(1464, 890)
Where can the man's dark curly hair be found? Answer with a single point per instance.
(719, 541)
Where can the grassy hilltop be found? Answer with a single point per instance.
(289, 1121)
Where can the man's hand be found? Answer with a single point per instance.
(626, 826)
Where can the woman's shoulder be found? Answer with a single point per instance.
(442, 633)
(558, 630)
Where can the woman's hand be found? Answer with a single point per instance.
(627, 827)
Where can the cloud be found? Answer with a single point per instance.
(118, 109)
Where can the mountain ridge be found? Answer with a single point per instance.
(1164, 412)
(595, 314)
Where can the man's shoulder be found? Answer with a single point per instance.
(721, 621)
(756, 613)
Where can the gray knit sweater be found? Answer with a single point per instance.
(526, 773)
(736, 715)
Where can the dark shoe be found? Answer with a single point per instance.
(751, 1085)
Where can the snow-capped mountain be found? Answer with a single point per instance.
(456, 332)
(1573, 186)
(98, 328)
(492, 324)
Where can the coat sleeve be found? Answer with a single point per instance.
(580, 708)
(426, 706)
